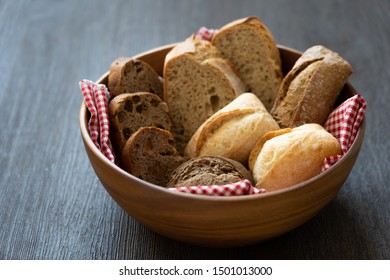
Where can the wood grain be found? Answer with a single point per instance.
(52, 205)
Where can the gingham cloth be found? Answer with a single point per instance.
(243, 187)
(205, 33)
(96, 98)
(343, 123)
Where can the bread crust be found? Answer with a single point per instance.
(232, 131)
(310, 89)
(260, 143)
(208, 170)
(214, 124)
(290, 156)
(128, 75)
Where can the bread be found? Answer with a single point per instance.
(197, 83)
(232, 131)
(128, 75)
(150, 154)
(250, 47)
(130, 111)
(310, 89)
(205, 171)
(290, 156)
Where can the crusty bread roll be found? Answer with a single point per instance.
(232, 131)
(197, 83)
(309, 91)
(250, 47)
(128, 75)
(288, 156)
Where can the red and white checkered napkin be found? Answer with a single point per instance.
(96, 98)
(205, 33)
(243, 187)
(343, 123)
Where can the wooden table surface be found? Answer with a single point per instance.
(52, 205)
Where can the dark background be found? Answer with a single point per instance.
(52, 205)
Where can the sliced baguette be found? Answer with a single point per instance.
(310, 89)
(232, 131)
(250, 47)
(197, 83)
(128, 75)
(130, 111)
(150, 154)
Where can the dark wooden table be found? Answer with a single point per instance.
(52, 206)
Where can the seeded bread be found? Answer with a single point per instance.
(130, 111)
(128, 75)
(290, 156)
(250, 47)
(197, 83)
(310, 89)
(150, 154)
(232, 131)
(204, 171)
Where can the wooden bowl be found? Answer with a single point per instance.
(219, 221)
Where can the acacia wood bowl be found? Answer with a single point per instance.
(219, 221)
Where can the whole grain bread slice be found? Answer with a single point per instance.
(208, 170)
(130, 111)
(128, 75)
(150, 154)
(197, 83)
(250, 47)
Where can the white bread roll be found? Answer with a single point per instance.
(232, 131)
(290, 156)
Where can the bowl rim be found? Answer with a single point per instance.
(88, 141)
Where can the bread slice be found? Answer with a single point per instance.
(291, 156)
(128, 75)
(197, 83)
(310, 89)
(150, 154)
(250, 47)
(206, 171)
(130, 111)
(232, 131)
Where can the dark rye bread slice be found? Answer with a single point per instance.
(251, 48)
(208, 170)
(197, 83)
(150, 155)
(130, 111)
(309, 91)
(128, 75)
